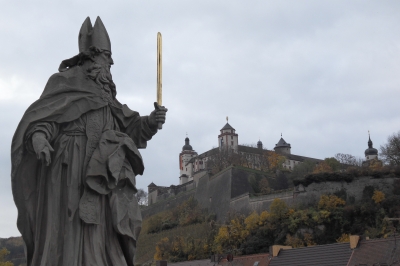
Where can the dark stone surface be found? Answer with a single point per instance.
(74, 162)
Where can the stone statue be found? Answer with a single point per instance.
(74, 161)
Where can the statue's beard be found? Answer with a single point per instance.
(102, 76)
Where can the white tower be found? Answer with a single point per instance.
(185, 166)
(228, 138)
(282, 147)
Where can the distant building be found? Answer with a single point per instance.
(193, 166)
(371, 155)
(190, 163)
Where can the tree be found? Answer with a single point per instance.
(142, 197)
(330, 202)
(390, 152)
(3, 253)
(333, 163)
(322, 167)
(348, 160)
(264, 185)
(378, 196)
(302, 169)
(275, 161)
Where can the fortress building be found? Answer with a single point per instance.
(230, 188)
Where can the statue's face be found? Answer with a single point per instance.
(104, 58)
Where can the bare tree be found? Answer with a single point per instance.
(142, 197)
(390, 152)
(348, 159)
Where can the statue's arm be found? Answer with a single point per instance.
(140, 128)
(38, 138)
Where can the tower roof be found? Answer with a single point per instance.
(282, 143)
(227, 126)
(371, 150)
(187, 146)
(152, 185)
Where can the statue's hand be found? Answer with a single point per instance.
(42, 147)
(157, 116)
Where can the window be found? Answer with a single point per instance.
(232, 143)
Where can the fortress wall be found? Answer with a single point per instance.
(166, 204)
(263, 203)
(240, 204)
(240, 182)
(245, 204)
(313, 192)
(213, 193)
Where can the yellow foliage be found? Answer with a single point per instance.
(322, 167)
(252, 221)
(375, 164)
(279, 209)
(263, 218)
(344, 238)
(294, 241)
(378, 196)
(163, 248)
(275, 161)
(330, 202)
(230, 236)
(308, 240)
(3, 253)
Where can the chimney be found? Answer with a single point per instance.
(354, 241)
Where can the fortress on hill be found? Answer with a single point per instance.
(230, 189)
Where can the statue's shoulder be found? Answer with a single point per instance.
(72, 78)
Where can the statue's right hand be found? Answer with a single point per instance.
(42, 147)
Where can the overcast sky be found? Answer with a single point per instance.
(322, 73)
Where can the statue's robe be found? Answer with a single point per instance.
(81, 209)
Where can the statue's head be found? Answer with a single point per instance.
(94, 54)
(94, 45)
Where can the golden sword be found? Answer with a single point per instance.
(159, 74)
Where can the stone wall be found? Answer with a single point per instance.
(354, 189)
(229, 192)
(166, 204)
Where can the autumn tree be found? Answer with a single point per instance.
(275, 160)
(378, 196)
(231, 236)
(333, 163)
(322, 167)
(330, 202)
(3, 254)
(264, 185)
(390, 151)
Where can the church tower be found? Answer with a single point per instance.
(371, 152)
(228, 138)
(282, 147)
(185, 166)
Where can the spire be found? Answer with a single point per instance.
(369, 140)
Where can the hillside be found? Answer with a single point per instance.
(16, 247)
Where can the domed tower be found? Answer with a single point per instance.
(371, 152)
(259, 144)
(282, 147)
(228, 138)
(185, 165)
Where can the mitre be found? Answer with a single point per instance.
(93, 36)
